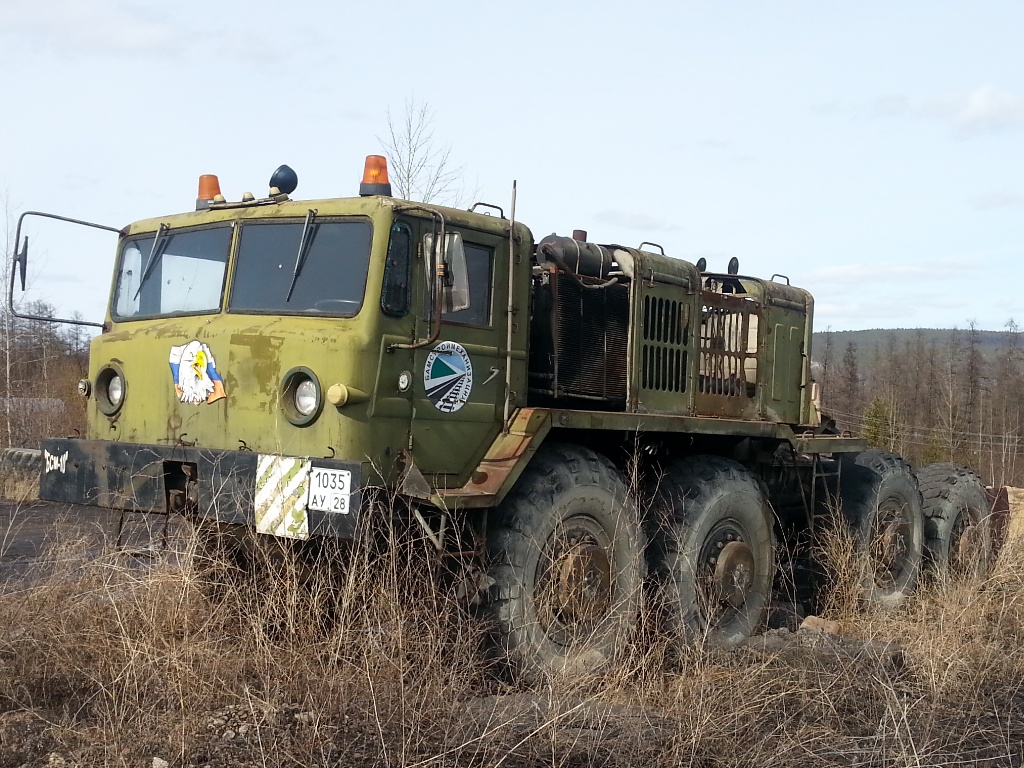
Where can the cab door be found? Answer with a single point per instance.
(459, 380)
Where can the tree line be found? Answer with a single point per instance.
(931, 398)
(42, 364)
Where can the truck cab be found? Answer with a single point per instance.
(263, 362)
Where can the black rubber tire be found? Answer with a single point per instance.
(957, 527)
(567, 494)
(700, 503)
(876, 483)
(26, 462)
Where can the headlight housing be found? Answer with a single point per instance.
(111, 389)
(301, 396)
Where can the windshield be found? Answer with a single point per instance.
(311, 266)
(183, 274)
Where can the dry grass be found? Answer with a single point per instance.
(18, 487)
(112, 660)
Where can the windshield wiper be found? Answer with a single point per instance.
(308, 230)
(160, 242)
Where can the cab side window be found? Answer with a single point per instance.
(394, 298)
(479, 266)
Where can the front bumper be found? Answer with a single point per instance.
(223, 485)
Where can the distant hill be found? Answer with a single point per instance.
(866, 341)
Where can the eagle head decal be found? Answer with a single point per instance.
(195, 374)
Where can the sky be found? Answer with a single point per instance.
(871, 152)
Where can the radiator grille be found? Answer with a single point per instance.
(592, 340)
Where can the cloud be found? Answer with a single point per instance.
(873, 313)
(826, 108)
(887, 310)
(987, 109)
(857, 274)
(644, 222)
(994, 200)
(90, 26)
(81, 28)
(890, 106)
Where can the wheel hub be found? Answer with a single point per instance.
(582, 588)
(967, 544)
(728, 571)
(890, 547)
(734, 573)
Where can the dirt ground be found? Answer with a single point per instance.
(28, 531)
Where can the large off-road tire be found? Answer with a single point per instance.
(957, 526)
(566, 555)
(881, 502)
(713, 550)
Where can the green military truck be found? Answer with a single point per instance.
(571, 420)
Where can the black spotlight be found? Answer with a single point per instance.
(702, 264)
(285, 179)
(734, 266)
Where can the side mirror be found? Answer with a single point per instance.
(455, 288)
(19, 266)
(21, 260)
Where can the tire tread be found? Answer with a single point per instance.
(942, 485)
(554, 470)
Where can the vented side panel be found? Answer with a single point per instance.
(666, 333)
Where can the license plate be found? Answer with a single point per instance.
(329, 490)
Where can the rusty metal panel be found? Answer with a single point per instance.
(591, 339)
(579, 343)
(497, 472)
(728, 370)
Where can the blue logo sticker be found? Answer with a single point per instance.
(448, 376)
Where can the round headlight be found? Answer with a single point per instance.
(115, 390)
(301, 396)
(306, 397)
(111, 389)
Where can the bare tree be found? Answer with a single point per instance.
(420, 166)
(848, 387)
(8, 328)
